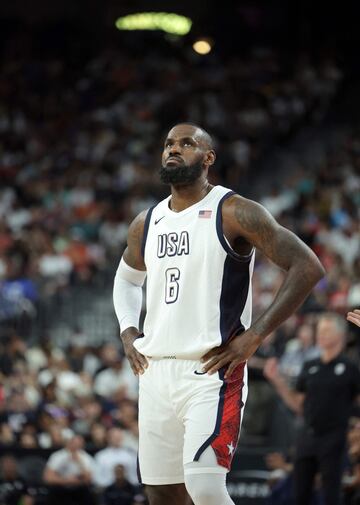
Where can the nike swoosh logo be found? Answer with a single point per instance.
(158, 220)
(199, 373)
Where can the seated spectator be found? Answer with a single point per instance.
(281, 484)
(86, 412)
(69, 472)
(114, 454)
(18, 412)
(97, 437)
(54, 268)
(7, 435)
(121, 491)
(13, 489)
(126, 417)
(28, 441)
(116, 377)
(12, 352)
(53, 421)
(279, 480)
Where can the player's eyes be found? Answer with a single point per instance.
(185, 144)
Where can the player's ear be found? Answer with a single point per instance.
(210, 158)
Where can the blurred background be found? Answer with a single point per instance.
(84, 108)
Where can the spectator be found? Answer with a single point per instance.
(121, 491)
(97, 437)
(7, 435)
(88, 411)
(281, 484)
(117, 378)
(297, 351)
(279, 480)
(114, 454)
(18, 411)
(126, 417)
(13, 489)
(69, 472)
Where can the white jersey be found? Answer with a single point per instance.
(198, 289)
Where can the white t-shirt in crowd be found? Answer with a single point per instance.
(110, 380)
(108, 458)
(62, 462)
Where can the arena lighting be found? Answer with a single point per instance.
(165, 21)
(202, 46)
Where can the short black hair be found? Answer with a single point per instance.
(207, 137)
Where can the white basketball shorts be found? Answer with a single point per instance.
(182, 412)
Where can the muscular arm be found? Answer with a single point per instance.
(249, 220)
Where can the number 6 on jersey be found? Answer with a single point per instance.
(171, 285)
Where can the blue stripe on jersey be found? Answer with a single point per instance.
(235, 283)
(146, 229)
(234, 293)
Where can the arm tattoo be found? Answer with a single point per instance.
(287, 251)
(277, 243)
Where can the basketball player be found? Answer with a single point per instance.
(196, 248)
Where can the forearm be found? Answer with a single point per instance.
(297, 285)
(52, 477)
(290, 398)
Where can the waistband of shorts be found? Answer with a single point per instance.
(170, 358)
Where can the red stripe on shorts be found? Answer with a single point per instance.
(225, 442)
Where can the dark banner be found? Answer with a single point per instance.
(247, 481)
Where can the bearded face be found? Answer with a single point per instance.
(175, 171)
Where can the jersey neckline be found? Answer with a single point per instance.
(201, 202)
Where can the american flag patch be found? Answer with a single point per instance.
(205, 214)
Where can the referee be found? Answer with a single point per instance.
(324, 395)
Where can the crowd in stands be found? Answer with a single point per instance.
(65, 400)
(80, 146)
(79, 151)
